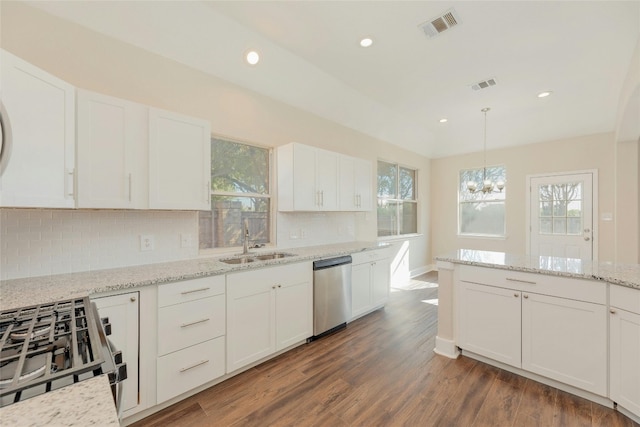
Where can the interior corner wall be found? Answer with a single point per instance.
(582, 153)
(92, 61)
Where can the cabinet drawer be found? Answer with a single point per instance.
(252, 281)
(190, 323)
(187, 369)
(369, 256)
(625, 298)
(564, 287)
(189, 290)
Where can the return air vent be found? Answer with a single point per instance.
(484, 84)
(438, 25)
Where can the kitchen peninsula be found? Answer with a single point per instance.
(570, 323)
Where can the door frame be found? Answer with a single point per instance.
(594, 206)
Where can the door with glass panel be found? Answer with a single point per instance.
(562, 216)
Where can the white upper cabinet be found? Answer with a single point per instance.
(307, 178)
(112, 138)
(179, 161)
(355, 192)
(41, 113)
(312, 179)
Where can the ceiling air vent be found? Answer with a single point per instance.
(484, 84)
(435, 26)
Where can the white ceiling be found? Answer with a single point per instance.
(399, 88)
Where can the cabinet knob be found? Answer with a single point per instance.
(526, 296)
(515, 295)
(279, 286)
(612, 311)
(273, 287)
(133, 299)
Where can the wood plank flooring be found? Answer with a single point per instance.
(381, 371)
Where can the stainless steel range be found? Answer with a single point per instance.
(49, 346)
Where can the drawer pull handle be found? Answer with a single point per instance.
(184, 325)
(194, 290)
(521, 281)
(202, 362)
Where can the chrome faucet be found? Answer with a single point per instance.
(245, 237)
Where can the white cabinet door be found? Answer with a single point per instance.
(355, 184)
(122, 311)
(565, 340)
(380, 282)
(327, 180)
(303, 180)
(294, 311)
(360, 289)
(625, 358)
(268, 309)
(179, 161)
(307, 178)
(41, 112)
(250, 320)
(363, 186)
(489, 322)
(112, 148)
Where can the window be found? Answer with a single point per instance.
(397, 203)
(240, 190)
(481, 214)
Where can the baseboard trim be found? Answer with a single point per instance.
(422, 270)
(446, 348)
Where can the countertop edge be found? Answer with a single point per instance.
(590, 275)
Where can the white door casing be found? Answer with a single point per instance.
(562, 220)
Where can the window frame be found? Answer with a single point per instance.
(503, 201)
(399, 201)
(270, 195)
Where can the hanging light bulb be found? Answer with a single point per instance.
(487, 185)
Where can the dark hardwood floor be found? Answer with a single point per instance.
(381, 371)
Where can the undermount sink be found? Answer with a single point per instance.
(267, 257)
(239, 260)
(244, 259)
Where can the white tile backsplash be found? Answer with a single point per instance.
(38, 242)
(315, 228)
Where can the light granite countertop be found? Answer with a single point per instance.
(17, 293)
(86, 403)
(619, 274)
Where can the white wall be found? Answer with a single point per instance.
(587, 152)
(95, 62)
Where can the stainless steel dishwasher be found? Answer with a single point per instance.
(331, 294)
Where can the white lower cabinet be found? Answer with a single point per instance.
(267, 310)
(122, 311)
(370, 281)
(624, 341)
(565, 340)
(490, 322)
(191, 335)
(550, 334)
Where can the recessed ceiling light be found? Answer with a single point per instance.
(252, 57)
(366, 42)
(544, 94)
(443, 120)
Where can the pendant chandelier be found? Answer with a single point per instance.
(488, 185)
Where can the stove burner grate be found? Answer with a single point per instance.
(43, 343)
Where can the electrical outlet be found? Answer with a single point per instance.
(303, 233)
(293, 234)
(186, 240)
(147, 242)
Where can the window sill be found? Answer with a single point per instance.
(399, 237)
(483, 236)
